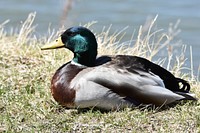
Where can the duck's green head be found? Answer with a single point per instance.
(81, 41)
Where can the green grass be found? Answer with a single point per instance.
(26, 104)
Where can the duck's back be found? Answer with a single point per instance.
(132, 63)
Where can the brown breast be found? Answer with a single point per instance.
(60, 83)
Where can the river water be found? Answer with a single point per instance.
(120, 14)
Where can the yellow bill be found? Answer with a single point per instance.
(55, 44)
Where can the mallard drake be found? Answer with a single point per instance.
(110, 82)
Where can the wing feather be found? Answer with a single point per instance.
(143, 87)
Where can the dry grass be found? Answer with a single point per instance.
(25, 73)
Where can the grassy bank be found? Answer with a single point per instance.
(26, 104)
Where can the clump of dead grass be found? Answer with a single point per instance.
(25, 74)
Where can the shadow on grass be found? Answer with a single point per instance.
(175, 105)
(148, 108)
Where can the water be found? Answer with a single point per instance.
(120, 14)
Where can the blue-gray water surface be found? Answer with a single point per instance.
(120, 14)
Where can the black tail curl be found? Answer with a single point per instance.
(184, 86)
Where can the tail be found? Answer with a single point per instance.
(184, 86)
(187, 96)
(184, 89)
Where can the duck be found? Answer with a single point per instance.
(110, 81)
